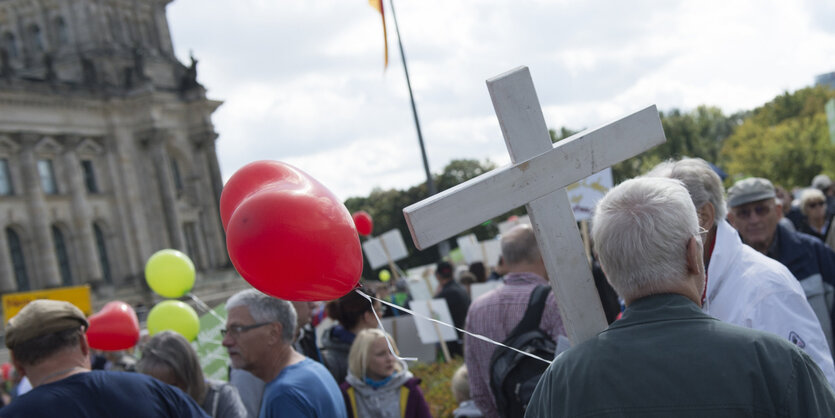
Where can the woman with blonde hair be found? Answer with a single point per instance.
(378, 383)
(169, 357)
(817, 224)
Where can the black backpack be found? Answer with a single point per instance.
(513, 376)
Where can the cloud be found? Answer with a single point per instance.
(303, 81)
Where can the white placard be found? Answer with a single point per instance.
(470, 248)
(419, 290)
(478, 289)
(402, 328)
(376, 254)
(584, 194)
(493, 250)
(428, 330)
(487, 252)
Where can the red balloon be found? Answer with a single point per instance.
(115, 327)
(362, 220)
(288, 235)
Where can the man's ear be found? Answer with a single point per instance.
(695, 257)
(18, 365)
(707, 216)
(276, 329)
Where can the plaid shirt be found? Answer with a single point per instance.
(494, 315)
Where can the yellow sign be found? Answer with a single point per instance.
(77, 295)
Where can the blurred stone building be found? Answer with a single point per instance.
(107, 149)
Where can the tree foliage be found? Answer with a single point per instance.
(786, 140)
(698, 133)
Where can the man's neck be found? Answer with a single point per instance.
(285, 356)
(55, 368)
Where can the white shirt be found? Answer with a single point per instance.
(747, 288)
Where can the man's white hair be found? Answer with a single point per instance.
(265, 308)
(641, 230)
(700, 180)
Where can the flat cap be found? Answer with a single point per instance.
(41, 317)
(750, 190)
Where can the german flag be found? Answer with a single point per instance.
(378, 4)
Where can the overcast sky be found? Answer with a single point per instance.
(303, 82)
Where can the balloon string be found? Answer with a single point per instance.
(413, 313)
(380, 324)
(202, 305)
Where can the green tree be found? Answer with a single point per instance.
(786, 140)
(698, 133)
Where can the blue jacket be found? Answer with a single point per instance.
(807, 257)
(804, 255)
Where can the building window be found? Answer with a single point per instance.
(36, 38)
(61, 254)
(47, 175)
(178, 179)
(10, 44)
(61, 31)
(6, 188)
(18, 261)
(101, 244)
(89, 176)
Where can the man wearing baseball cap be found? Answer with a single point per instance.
(755, 213)
(47, 343)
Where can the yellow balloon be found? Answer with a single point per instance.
(175, 316)
(170, 273)
(384, 275)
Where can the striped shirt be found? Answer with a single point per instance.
(494, 315)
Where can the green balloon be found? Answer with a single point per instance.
(170, 273)
(175, 316)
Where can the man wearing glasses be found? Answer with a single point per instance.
(755, 213)
(744, 287)
(259, 336)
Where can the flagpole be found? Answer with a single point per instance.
(443, 246)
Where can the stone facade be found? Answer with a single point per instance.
(107, 149)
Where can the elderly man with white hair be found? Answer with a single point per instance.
(745, 287)
(665, 356)
(259, 335)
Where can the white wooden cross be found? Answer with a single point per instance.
(537, 177)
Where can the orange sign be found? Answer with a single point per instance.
(77, 295)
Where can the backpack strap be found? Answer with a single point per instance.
(404, 399)
(352, 395)
(533, 314)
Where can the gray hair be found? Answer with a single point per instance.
(265, 308)
(519, 245)
(170, 350)
(703, 184)
(640, 230)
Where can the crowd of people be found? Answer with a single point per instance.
(720, 303)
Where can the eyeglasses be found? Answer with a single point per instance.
(235, 330)
(702, 232)
(745, 213)
(812, 205)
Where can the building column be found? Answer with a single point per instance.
(168, 196)
(45, 261)
(206, 161)
(82, 219)
(7, 277)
